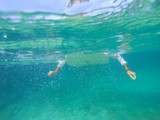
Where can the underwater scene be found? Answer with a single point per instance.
(80, 60)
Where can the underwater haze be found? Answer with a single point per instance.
(35, 35)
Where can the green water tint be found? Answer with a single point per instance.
(94, 92)
(32, 43)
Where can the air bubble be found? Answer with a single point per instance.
(5, 36)
(12, 28)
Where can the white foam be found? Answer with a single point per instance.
(54, 17)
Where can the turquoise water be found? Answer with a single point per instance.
(31, 43)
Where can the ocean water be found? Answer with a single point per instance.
(31, 43)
